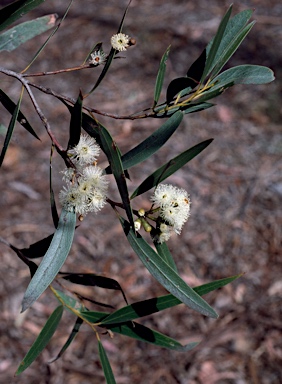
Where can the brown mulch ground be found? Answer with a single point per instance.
(235, 187)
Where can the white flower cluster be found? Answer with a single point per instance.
(86, 186)
(174, 209)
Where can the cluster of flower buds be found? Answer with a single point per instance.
(86, 187)
(173, 208)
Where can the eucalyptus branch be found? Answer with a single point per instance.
(58, 71)
(42, 117)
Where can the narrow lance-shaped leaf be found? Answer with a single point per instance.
(75, 122)
(10, 129)
(70, 339)
(169, 168)
(17, 9)
(109, 376)
(165, 275)
(49, 37)
(160, 77)
(216, 43)
(54, 211)
(53, 259)
(157, 304)
(90, 279)
(139, 332)
(152, 143)
(231, 49)
(113, 154)
(165, 254)
(148, 335)
(10, 106)
(233, 33)
(42, 340)
(21, 33)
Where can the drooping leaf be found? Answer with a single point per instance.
(138, 332)
(37, 249)
(109, 376)
(53, 259)
(70, 339)
(148, 335)
(113, 154)
(157, 304)
(10, 106)
(42, 340)
(160, 77)
(76, 122)
(10, 129)
(211, 53)
(31, 265)
(54, 211)
(169, 168)
(14, 37)
(178, 85)
(152, 143)
(15, 10)
(196, 70)
(49, 37)
(90, 279)
(164, 274)
(245, 74)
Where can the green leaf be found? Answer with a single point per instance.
(70, 339)
(231, 49)
(165, 275)
(196, 70)
(109, 376)
(15, 10)
(53, 259)
(178, 85)
(245, 74)
(153, 143)
(142, 333)
(49, 37)
(54, 210)
(37, 249)
(211, 53)
(76, 122)
(10, 106)
(42, 340)
(10, 129)
(197, 108)
(113, 154)
(31, 265)
(165, 254)
(21, 33)
(148, 307)
(169, 168)
(160, 77)
(90, 279)
(233, 36)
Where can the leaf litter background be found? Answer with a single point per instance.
(235, 187)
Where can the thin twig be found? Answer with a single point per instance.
(58, 71)
(44, 120)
